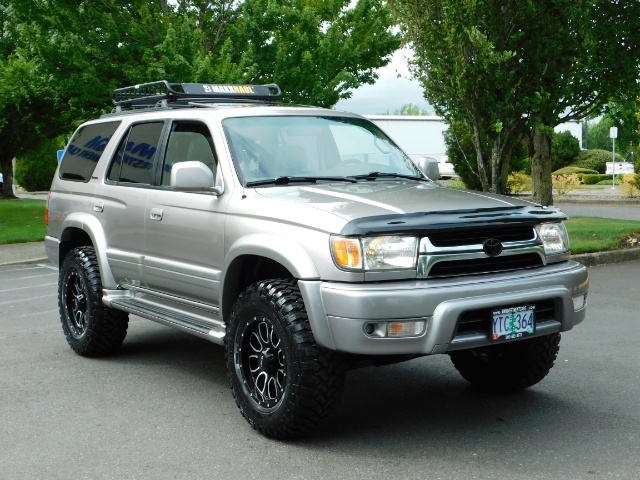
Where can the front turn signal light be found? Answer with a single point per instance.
(347, 252)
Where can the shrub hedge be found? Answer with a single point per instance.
(609, 180)
(576, 170)
(34, 171)
(594, 160)
(592, 179)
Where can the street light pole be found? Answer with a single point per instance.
(613, 133)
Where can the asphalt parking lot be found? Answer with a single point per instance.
(621, 210)
(162, 408)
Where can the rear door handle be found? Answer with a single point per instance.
(156, 214)
(98, 206)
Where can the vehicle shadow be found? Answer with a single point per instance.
(423, 403)
(148, 344)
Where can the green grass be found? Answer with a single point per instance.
(593, 187)
(22, 220)
(592, 234)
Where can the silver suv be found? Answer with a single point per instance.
(304, 241)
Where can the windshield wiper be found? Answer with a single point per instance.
(374, 175)
(285, 180)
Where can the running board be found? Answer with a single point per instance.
(191, 323)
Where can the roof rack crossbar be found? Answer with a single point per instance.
(153, 93)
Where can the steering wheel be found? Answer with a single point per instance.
(350, 161)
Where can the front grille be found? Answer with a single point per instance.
(479, 321)
(449, 268)
(504, 233)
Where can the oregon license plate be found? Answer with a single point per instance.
(513, 322)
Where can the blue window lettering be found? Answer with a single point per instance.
(145, 150)
(139, 163)
(97, 143)
(73, 150)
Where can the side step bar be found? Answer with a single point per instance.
(214, 331)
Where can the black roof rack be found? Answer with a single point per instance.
(165, 94)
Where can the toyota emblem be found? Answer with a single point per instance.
(492, 247)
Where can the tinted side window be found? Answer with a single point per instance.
(136, 154)
(85, 149)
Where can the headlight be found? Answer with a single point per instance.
(375, 253)
(554, 237)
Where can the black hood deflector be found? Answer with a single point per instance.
(422, 223)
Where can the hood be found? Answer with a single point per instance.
(378, 206)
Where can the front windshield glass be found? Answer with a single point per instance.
(266, 148)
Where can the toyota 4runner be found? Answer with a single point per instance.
(305, 242)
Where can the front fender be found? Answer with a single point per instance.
(285, 251)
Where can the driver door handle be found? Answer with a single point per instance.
(156, 214)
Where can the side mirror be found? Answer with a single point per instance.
(429, 166)
(193, 177)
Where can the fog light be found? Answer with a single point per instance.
(405, 329)
(579, 301)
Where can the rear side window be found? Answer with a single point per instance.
(85, 149)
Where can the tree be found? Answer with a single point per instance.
(60, 61)
(317, 51)
(73, 54)
(579, 55)
(623, 115)
(495, 63)
(598, 134)
(465, 62)
(564, 149)
(409, 109)
(20, 110)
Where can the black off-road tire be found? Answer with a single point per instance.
(91, 328)
(283, 383)
(508, 367)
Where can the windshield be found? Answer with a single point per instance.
(307, 148)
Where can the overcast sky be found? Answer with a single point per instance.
(389, 92)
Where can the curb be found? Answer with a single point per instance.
(23, 253)
(604, 258)
(25, 262)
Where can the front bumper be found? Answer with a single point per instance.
(338, 312)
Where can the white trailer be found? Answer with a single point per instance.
(418, 136)
(422, 136)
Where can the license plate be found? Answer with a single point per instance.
(513, 322)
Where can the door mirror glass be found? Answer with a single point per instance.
(429, 166)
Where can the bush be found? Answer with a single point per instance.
(609, 180)
(564, 149)
(564, 184)
(462, 154)
(595, 160)
(519, 182)
(577, 170)
(631, 184)
(593, 179)
(35, 170)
